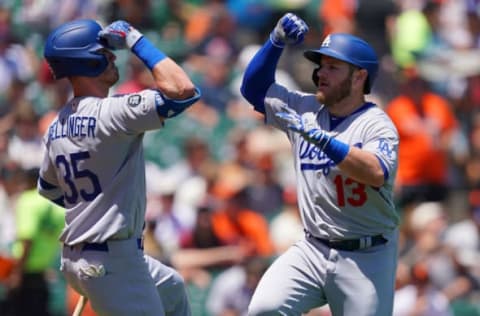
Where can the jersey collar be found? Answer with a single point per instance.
(336, 120)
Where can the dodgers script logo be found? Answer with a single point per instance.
(312, 158)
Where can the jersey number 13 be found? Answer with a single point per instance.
(349, 191)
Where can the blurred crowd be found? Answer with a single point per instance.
(221, 200)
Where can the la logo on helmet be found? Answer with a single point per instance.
(326, 41)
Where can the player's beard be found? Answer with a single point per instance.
(116, 76)
(338, 93)
(111, 74)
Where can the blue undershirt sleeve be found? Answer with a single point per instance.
(260, 74)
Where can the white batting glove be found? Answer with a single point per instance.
(300, 124)
(119, 35)
(290, 29)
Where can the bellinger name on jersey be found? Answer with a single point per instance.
(73, 126)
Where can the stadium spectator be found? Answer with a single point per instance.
(38, 225)
(25, 146)
(286, 227)
(420, 297)
(426, 125)
(232, 290)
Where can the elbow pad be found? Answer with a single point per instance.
(168, 108)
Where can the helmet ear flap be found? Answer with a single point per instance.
(315, 76)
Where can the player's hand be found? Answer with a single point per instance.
(119, 35)
(305, 127)
(290, 29)
(293, 120)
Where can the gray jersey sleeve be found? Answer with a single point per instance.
(381, 139)
(278, 96)
(139, 112)
(132, 113)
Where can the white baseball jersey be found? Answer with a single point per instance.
(95, 163)
(334, 206)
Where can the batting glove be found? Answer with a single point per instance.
(290, 29)
(119, 35)
(309, 130)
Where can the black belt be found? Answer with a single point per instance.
(351, 244)
(104, 246)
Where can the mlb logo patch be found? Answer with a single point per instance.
(134, 100)
(326, 41)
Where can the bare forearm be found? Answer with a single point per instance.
(172, 80)
(363, 167)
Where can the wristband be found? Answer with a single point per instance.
(335, 149)
(276, 41)
(147, 52)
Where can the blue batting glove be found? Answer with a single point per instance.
(300, 125)
(317, 137)
(119, 35)
(290, 29)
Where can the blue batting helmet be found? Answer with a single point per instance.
(350, 49)
(72, 50)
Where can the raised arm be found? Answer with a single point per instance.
(260, 72)
(170, 79)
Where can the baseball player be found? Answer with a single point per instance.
(94, 167)
(345, 155)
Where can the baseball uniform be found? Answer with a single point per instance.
(95, 166)
(348, 256)
(335, 207)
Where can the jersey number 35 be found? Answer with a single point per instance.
(75, 178)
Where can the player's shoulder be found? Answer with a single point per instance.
(277, 90)
(373, 109)
(300, 101)
(133, 94)
(375, 116)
